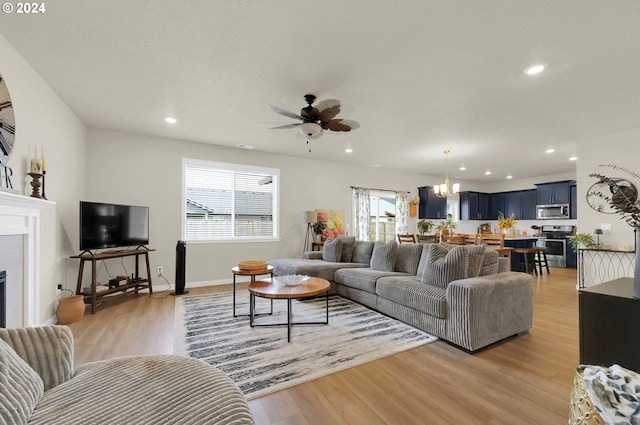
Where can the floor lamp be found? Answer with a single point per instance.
(311, 218)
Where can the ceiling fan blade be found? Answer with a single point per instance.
(286, 126)
(329, 113)
(327, 103)
(286, 113)
(336, 125)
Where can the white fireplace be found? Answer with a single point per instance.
(20, 256)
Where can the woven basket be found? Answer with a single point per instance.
(582, 410)
(250, 265)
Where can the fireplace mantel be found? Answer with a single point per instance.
(20, 215)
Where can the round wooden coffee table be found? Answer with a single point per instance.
(237, 271)
(275, 289)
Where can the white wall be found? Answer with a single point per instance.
(43, 120)
(146, 170)
(620, 149)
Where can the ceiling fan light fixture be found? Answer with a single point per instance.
(309, 129)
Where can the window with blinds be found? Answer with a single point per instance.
(229, 202)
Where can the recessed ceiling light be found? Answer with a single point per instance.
(550, 150)
(535, 69)
(243, 146)
(348, 150)
(171, 120)
(488, 172)
(573, 158)
(463, 168)
(509, 176)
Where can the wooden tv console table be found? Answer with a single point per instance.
(136, 282)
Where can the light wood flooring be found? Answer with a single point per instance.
(524, 380)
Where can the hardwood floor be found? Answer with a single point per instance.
(524, 380)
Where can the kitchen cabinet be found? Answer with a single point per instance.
(554, 193)
(496, 205)
(573, 205)
(431, 206)
(521, 203)
(474, 206)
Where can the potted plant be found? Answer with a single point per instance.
(425, 226)
(581, 240)
(506, 223)
(319, 228)
(413, 206)
(446, 224)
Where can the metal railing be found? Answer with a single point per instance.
(597, 266)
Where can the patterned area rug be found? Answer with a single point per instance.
(261, 361)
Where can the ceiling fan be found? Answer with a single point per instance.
(314, 120)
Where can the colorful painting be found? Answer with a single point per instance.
(334, 220)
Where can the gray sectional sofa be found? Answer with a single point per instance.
(462, 294)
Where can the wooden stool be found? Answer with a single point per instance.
(534, 258)
(541, 258)
(529, 258)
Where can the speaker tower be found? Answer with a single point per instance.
(181, 259)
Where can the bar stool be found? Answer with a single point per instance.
(528, 255)
(541, 258)
(535, 258)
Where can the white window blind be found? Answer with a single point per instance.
(229, 202)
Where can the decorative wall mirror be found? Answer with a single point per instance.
(7, 123)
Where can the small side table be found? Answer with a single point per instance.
(253, 273)
(317, 246)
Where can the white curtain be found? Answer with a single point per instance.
(361, 211)
(402, 212)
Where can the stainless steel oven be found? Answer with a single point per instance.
(555, 238)
(557, 254)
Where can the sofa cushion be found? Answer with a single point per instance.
(490, 263)
(423, 258)
(411, 292)
(473, 260)
(144, 390)
(348, 246)
(316, 268)
(408, 258)
(332, 250)
(443, 265)
(22, 387)
(363, 279)
(384, 256)
(362, 252)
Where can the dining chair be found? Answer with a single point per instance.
(427, 238)
(493, 239)
(454, 239)
(471, 239)
(406, 238)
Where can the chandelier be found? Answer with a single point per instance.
(442, 190)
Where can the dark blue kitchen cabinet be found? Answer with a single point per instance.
(431, 206)
(573, 206)
(474, 206)
(496, 205)
(554, 193)
(528, 204)
(521, 203)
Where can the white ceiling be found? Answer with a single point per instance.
(419, 76)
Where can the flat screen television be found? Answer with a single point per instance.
(112, 225)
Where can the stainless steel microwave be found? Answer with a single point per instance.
(555, 211)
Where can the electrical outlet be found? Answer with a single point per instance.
(59, 290)
(160, 270)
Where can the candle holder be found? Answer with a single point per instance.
(35, 185)
(44, 174)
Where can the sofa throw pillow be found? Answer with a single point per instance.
(23, 385)
(473, 259)
(408, 258)
(332, 250)
(443, 265)
(348, 246)
(384, 256)
(362, 252)
(490, 263)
